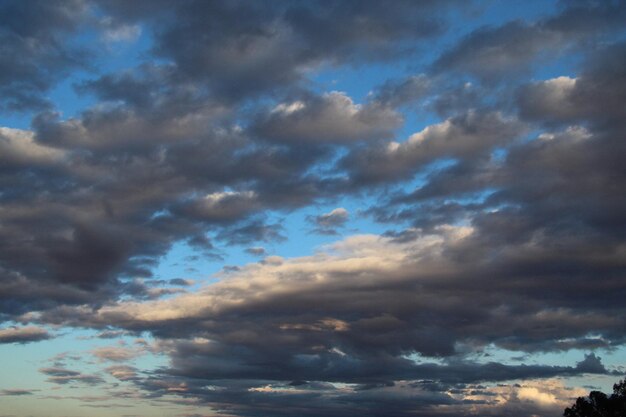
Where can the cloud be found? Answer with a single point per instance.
(328, 223)
(114, 354)
(549, 98)
(533, 394)
(369, 310)
(466, 136)
(181, 282)
(76, 259)
(23, 334)
(253, 231)
(508, 193)
(405, 91)
(331, 118)
(111, 334)
(58, 375)
(529, 396)
(123, 372)
(162, 156)
(19, 149)
(506, 51)
(564, 101)
(119, 32)
(16, 392)
(402, 398)
(492, 53)
(35, 36)
(240, 49)
(591, 364)
(256, 251)
(223, 207)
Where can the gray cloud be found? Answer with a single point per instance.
(64, 376)
(401, 398)
(331, 118)
(357, 313)
(23, 334)
(405, 91)
(253, 231)
(181, 282)
(242, 50)
(511, 197)
(504, 52)
(470, 135)
(569, 101)
(115, 353)
(492, 53)
(256, 251)
(146, 204)
(222, 207)
(123, 372)
(130, 176)
(328, 223)
(17, 392)
(35, 37)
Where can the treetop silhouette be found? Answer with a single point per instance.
(599, 404)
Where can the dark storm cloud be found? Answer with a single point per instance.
(35, 49)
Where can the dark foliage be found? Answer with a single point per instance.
(598, 404)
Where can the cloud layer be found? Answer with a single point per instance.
(487, 156)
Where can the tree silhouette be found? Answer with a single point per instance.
(598, 404)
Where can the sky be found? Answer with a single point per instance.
(311, 208)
